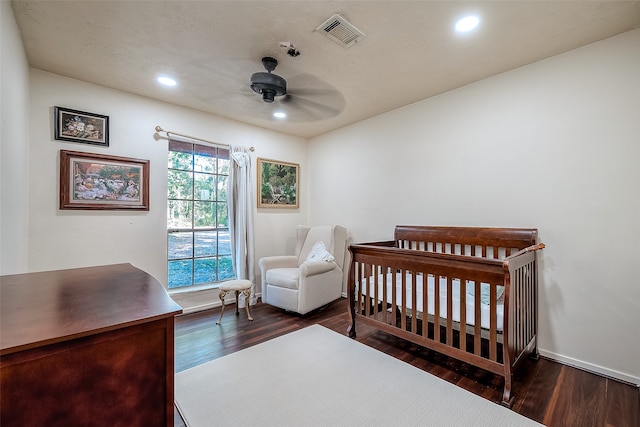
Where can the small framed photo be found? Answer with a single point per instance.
(98, 181)
(79, 126)
(278, 184)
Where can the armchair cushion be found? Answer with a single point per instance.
(283, 277)
(319, 252)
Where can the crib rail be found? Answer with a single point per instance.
(485, 242)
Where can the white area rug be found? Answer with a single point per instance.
(317, 377)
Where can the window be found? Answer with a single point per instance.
(199, 245)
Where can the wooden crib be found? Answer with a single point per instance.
(486, 280)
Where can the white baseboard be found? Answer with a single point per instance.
(194, 305)
(195, 308)
(585, 366)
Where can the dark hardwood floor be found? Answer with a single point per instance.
(546, 391)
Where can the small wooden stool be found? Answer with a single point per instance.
(237, 286)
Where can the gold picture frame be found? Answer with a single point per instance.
(278, 184)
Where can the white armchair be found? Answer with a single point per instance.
(304, 282)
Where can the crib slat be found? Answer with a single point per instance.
(425, 304)
(367, 305)
(525, 311)
(403, 287)
(436, 308)
(525, 305)
(414, 304)
(376, 290)
(522, 309)
(515, 286)
(363, 285)
(463, 316)
(493, 323)
(449, 311)
(513, 315)
(358, 277)
(394, 295)
(383, 272)
(477, 312)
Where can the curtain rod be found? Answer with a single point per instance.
(167, 132)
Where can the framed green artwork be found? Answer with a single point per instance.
(278, 184)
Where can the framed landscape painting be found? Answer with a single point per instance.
(98, 181)
(79, 126)
(278, 184)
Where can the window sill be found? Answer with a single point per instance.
(196, 288)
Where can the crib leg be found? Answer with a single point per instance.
(351, 330)
(507, 399)
(535, 355)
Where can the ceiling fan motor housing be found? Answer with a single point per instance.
(267, 84)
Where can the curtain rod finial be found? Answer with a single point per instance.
(158, 129)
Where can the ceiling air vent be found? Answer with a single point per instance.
(340, 31)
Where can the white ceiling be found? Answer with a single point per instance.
(410, 51)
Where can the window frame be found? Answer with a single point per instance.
(192, 169)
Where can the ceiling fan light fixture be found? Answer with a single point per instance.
(268, 95)
(267, 84)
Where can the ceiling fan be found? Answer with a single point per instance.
(267, 84)
(304, 98)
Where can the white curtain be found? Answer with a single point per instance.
(240, 201)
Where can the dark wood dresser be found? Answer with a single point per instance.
(86, 347)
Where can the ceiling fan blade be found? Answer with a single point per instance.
(316, 93)
(303, 91)
(309, 81)
(327, 110)
(299, 113)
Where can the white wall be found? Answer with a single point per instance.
(14, 146)
(64, 238)
(553, 145)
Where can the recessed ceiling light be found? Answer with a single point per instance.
(167, 81)
(279, 115)
(467, 23)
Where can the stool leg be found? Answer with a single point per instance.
(221, 295)
(247, 294)
(237, 302)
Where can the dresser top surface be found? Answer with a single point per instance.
(53, 306)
